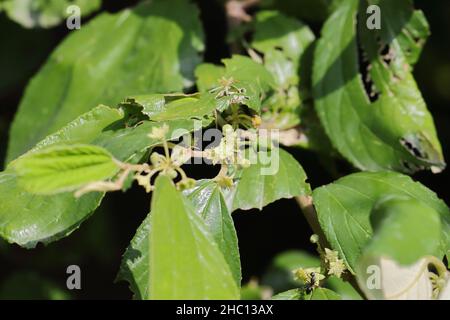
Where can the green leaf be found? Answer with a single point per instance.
(63, 168)
(405, 230)
(44, 13)
(274, 176)
(344, 289)
(103, 63)
(207, 74)
(344, 209)
(388, 127)
(317, 294)
(29, 285)
(293, 294)
(185, 261)
(208, 201)
(25, 218)
(322, 294)
(149, 104)
(275, 31)
(279, 275)
(187, 108)
(244, 69)
(135, 265)
(127, 143)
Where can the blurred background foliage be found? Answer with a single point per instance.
(269, 241)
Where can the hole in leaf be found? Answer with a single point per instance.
(364, 70)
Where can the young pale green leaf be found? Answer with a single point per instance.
(388, 127)
(44, 13)
(103, 63)
(344, 208)
(185, 261)
(208, 201)
(63, 168)
(275, 175)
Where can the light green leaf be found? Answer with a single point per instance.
(185, 261)
(207, 75)
(147, 104)
(317, 294)
(63, 168)
(244, 69)
(44, 13)
(209, 203)
(103, 63)
(275, 175)
(344, 209)
(274, 30)
(187, 108)
(293, 294)
(344, 289)
(322, 294)
(394, 130)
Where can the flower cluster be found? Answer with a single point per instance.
(230, 150)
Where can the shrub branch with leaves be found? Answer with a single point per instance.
(349, 93)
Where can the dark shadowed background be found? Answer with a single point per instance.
(99, 243)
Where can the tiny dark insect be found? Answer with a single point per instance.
(309, 286)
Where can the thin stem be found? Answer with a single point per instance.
(307, 207)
